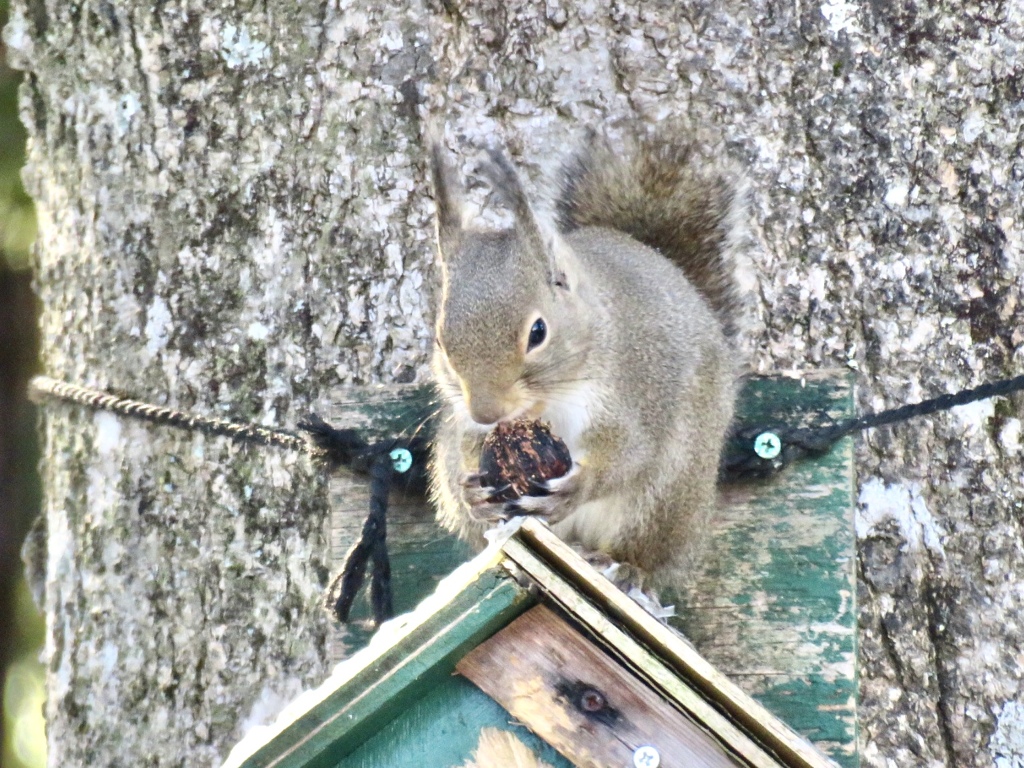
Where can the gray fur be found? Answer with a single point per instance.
(447, 195)
(665, 193)
(637, 374)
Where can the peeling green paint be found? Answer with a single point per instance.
(773, 605)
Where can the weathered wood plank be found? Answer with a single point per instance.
(572, 695)
(657, 653)
(772, 606)
(441, 729)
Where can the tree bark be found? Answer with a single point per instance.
(234, 220)
(227, 226)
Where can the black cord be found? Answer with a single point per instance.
(752, 451)
(371, 544)
(389, 463)
(347, 448)
(381, 602)
(765, 450)
(384, 462)
(924, 408)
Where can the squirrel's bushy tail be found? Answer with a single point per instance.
(665, 194)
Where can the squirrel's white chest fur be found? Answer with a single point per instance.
(593, 523)
(571, 416)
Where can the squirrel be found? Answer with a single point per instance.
(615, 324)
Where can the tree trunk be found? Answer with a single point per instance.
(226, 227)
(234, 220)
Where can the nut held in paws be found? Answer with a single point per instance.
(519, 453)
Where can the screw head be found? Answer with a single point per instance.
(401, 459)
(646, 757)
(767, 445)
(592, 701)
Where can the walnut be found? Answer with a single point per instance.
(519, 453)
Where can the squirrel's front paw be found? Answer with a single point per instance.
(552, 499)
(484, 501)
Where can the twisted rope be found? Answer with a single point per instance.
(45, 388)
(382, 461)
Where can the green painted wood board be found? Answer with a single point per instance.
(441, 730)
(403, 673)
(775, 611)
(773, 604)
(664, 660)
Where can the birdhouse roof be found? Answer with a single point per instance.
(499, 621)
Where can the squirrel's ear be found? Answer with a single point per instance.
(505, 183)
(562, 264)
(544, 244)
(447, 197)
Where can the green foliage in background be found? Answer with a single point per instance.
(23, 694)
(17, 217)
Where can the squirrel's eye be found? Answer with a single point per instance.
(538, 333)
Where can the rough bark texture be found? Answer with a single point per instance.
(234, 220)
(227, 227)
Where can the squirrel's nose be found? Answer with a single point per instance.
(486, 416)
(486, 410)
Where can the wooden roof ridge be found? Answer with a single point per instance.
(669, 646)
(475, 601)
(387, 637)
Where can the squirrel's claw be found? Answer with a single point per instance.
(479, 496)
(488, 513)
(539, 488)
(541, 506)
(494, 494)
(512, 509)
(551, 499)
